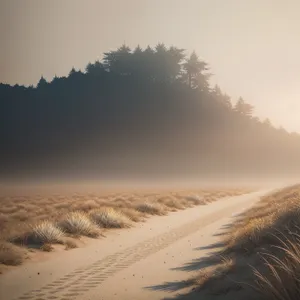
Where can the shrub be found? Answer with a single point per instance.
(110, 218)
(78, 223)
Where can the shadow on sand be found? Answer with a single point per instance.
(216, 286)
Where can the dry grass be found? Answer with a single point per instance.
(11, 254)
(209, 274)
(172, 203)
(70, 243)
(196, 200)
(150, 208)
(108, 217)
(133, 214)
(281, 281)
(79, 223)
(264, 247)
(47, 248)
(40, 217)
(45, 232)
(262, 224)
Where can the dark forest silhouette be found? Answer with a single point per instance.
(141, 111)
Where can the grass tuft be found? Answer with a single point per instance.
(78, 223)
(108, 217)
(150, 208)
(281, 280)
(45, 233)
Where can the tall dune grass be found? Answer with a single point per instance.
(264, 243)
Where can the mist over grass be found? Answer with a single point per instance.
(139, 113)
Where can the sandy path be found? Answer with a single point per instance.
(127, 264)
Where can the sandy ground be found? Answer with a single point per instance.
(128, 264)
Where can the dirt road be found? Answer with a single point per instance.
(133, 264)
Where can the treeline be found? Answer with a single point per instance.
(136, 112)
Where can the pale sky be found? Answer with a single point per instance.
(252, 46)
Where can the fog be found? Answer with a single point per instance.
(135, 93)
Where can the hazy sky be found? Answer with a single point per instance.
(252, 46)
